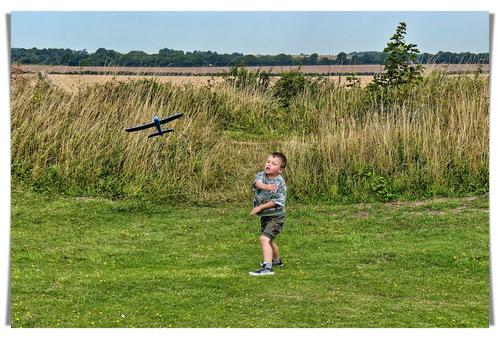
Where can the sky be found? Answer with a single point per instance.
(254, 32)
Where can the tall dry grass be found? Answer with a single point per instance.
(343, 144)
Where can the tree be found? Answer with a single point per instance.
(313, 59)
(172, 57)
(400, 67)
(341, 58)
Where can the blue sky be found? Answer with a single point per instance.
(249, 32)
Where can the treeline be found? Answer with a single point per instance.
(175, 58)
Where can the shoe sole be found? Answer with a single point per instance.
(259, 274)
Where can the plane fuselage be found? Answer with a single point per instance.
(156, 120)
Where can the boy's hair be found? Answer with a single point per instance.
(282, 158)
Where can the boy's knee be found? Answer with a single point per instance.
(264, 239)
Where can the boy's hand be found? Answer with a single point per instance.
(271, 187)
(255, 210)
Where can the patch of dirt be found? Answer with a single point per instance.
(461, 208)
(85, 199)
(418, 203)
(362, 214)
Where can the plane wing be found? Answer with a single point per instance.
(170, 118)
(138, 128)
(152, 124)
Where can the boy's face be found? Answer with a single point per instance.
(272, 166)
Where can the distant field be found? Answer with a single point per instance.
(211, 70)
(71, 82)
(71, 77)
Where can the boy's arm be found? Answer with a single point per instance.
(260, 185)
(258, 181)
(265, 206)
(280, 196)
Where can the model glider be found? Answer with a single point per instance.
(157, 122)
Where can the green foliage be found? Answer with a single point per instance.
(240, 77)
(381, 186)
(170, 57)
(289, 85)
(341, 59)
(399, 65)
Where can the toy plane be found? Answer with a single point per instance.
(157, 122)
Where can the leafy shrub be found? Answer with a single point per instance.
(242, 78)
(400, 64)
(288, 86)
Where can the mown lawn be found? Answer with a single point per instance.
(84, 262)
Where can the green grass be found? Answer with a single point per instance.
(92, 262)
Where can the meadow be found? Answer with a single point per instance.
(95, 262)
(387, 210)
(344, 144)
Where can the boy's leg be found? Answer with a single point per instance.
(266, 268)
(267, 250)
(276, 255)
(269, 230)
(276, 251)
(271, 227)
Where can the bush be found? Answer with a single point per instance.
(289, 86)
(242, 78)
(399, 65)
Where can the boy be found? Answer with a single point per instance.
(269, 203)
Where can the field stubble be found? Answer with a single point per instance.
(72, 82)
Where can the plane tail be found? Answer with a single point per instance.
(154, 135)
(161, 133)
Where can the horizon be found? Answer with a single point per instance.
(194, 51)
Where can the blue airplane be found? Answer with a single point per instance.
(157, 122)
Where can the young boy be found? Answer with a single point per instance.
(269, 203)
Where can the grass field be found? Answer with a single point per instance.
(72, 78)
(73, 83)
(111, 229)
(343, 144)
(93, 262)
(318, 69)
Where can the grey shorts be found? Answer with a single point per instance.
(271, 226)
